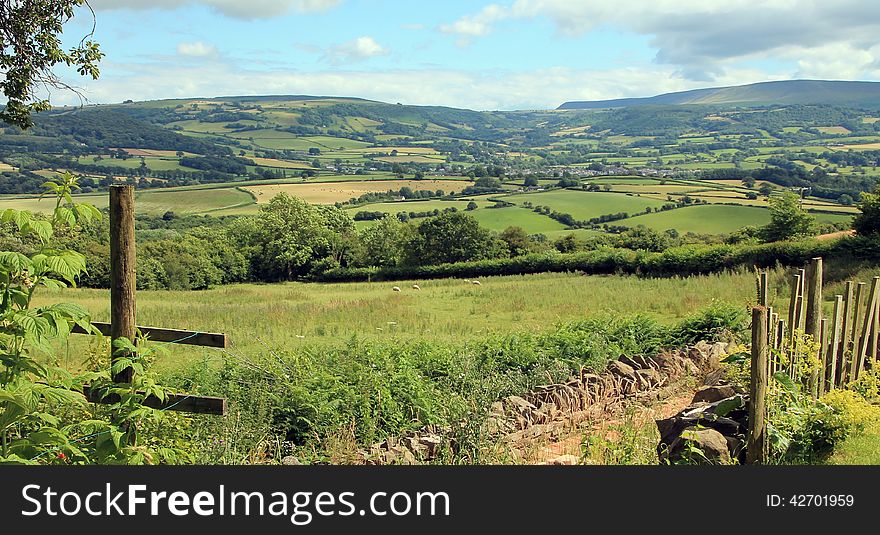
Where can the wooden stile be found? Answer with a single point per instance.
(823, 355)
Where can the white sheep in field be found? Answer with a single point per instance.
(476, 282)
(396, 288)
(416, 287)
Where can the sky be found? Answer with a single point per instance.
(514, 55)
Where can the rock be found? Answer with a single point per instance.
(637, 362)
(290, 460)
(710, 442)
(712, 394)
(649, 378)
(714, 377)
(520, 405)
(564, 460)
(691, 368)
(620, 369)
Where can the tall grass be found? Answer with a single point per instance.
(311, 315)
(300, 398)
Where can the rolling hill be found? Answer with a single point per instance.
(839, 93)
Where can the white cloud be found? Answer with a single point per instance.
(196, 49)
(702, 38)
(358, 49)
(477, 25)
(484, 90)
(246, 10)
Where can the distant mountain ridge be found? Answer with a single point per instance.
(841, 93)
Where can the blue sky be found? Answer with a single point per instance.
(520, 54)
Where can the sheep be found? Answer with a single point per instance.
(416, 287)
(476, 282)
(396, 288)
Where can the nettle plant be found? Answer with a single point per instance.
(44, 417)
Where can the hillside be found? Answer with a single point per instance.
(836, 93)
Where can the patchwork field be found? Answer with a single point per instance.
(329, 193)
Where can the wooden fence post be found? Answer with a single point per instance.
(871, 317)
(763, 288)
(757, 437)
(847, 322)
(855, 337)
(830, 369)
(122, 270)
(814, 312)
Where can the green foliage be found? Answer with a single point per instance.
(452, 237)
(30, 35)
(302, 398)
(289, 235)
(675, 261)
(867, 223)
(385, 244)
(42, 408)
(788, 219)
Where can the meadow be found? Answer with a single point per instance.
(261, 317)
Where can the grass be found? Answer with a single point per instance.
(585, 205)
(155, 202)
(713, 219)
(292, 315)
(500, 218)
(861, 449)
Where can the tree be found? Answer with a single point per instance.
(530, 182)
(452, 237)
(788, 219)
(518, 242)
(471, 206)
(867, 223)
(385, 243)
(30, 48)
(766, 189)
(289, 235)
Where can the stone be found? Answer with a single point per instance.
(710, 442)
(691, 368)
(620, 369)
(711, 394)
(564, 460)
(521, 405)
(648, 378)
(290, 460)
(636, 362)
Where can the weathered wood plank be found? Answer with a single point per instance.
(172, 336)
(173, 402)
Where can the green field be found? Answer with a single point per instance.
(713, 219)
(219, 201)
(289, 315)
(500, 218)
(585, 205)
(703, 219)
